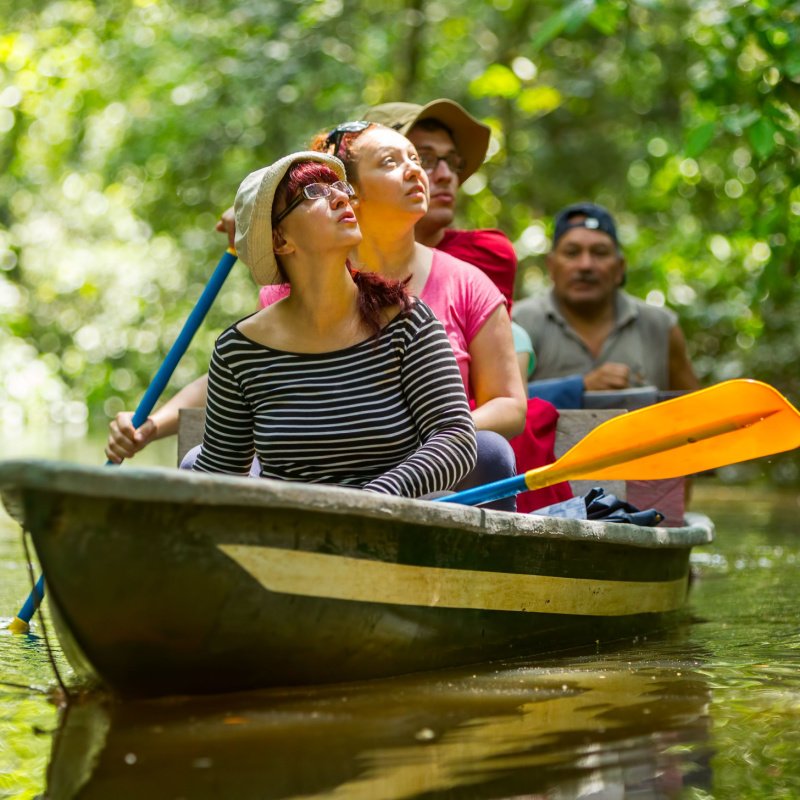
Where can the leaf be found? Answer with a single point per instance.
(606, 17)
(735, 122)
(762, 137)
(792, 65)
(769, 221)
(699, 138)
(539, 100)
(497, 81)
(570, 16)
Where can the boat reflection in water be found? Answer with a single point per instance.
(602, 727)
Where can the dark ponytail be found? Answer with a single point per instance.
(375, 294)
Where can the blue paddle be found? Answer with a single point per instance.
(21, 622)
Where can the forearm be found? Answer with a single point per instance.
(439, 464)
(504, 415)
(435, 396)
(193, 395)
(501, 401)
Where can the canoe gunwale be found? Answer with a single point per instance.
(169, 485)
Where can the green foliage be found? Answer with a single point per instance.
(127, 126)
(25, 724)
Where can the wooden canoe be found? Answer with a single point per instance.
(167, 582)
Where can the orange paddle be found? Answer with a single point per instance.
(733, 421)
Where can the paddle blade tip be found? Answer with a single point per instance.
(18, 625)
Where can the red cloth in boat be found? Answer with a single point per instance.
(535, 447)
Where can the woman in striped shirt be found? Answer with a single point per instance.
(346, 381)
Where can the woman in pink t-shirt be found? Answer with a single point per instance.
(391, 196)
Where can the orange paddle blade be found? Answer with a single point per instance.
(733, 421)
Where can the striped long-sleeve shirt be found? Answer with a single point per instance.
(388, 414)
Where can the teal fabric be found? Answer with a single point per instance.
(523, 344)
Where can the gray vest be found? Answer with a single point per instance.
(640, 339)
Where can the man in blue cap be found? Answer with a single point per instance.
(587, 330)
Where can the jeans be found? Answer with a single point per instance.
(496, 462)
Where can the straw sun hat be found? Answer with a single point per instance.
(253, 212)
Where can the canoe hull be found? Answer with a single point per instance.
(196, 585)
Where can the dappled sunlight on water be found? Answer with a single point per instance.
(27, 717)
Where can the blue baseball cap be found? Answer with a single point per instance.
(593, 217)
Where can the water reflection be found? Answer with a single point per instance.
(616, 726)
(24, 658)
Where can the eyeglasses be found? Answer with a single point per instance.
(337, 134)
(313, 191)
(430, 161)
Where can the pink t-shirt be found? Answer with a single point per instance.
(460, 295)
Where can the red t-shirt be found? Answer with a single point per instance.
(490, 251)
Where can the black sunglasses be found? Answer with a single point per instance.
(337, 134)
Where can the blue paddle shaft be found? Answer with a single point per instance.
(157, 385)
(487, 492)
(32, 603)
(195, 320)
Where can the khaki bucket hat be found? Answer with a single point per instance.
(470, 137)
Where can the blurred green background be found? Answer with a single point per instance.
(127, 126)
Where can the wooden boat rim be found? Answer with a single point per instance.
(170, 485)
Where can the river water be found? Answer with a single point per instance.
(709, 710)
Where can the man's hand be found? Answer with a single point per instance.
(124, 440)
(607, 376)
(227, 224)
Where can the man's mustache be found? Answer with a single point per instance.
(585, 277)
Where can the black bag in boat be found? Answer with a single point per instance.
(598, 505)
